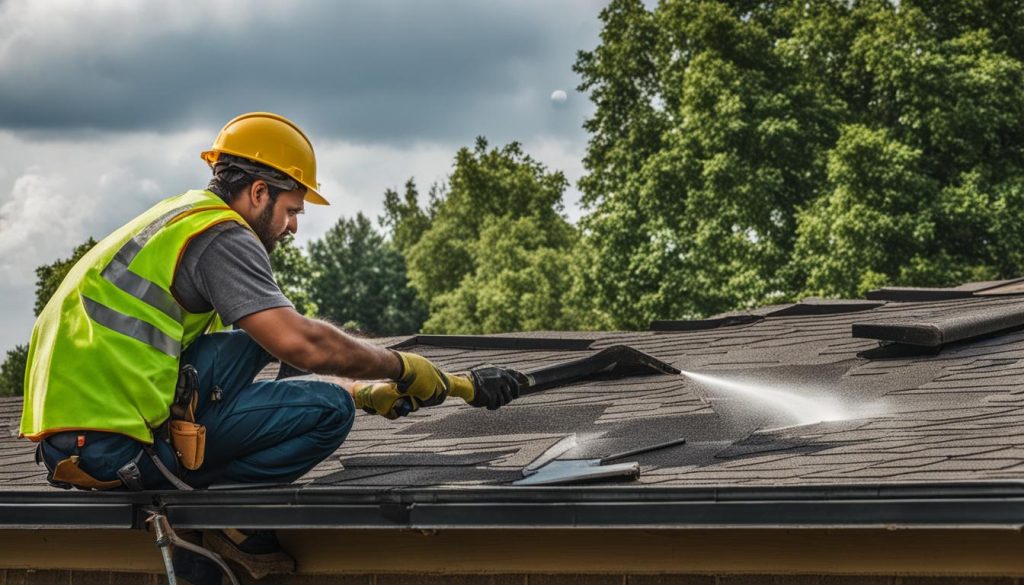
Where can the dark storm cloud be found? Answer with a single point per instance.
(372, 71)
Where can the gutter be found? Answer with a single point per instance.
(66, 509)
(974, 505)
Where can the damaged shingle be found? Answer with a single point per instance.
(939, 330)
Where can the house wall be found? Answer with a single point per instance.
(556, 557)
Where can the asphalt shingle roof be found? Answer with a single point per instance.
(948, 416)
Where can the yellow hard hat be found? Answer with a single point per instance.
(271, 140)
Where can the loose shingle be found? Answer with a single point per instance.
(939, 330)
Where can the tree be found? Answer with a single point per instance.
(745, 153)
(49, 276)
(360, 280)
(521, 279)
(705, 142)
(12, 372)
(854, 237)
(403, 217)
(925, 188)
(496, 254)
(294, 275)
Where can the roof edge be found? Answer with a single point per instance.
(963, 505)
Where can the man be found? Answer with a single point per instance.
(134, 329)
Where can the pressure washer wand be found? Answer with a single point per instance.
(619, 360)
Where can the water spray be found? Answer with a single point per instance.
(801, 408)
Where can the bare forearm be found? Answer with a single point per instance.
(319, 347)
(335, 353)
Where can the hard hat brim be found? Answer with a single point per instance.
(314, 197)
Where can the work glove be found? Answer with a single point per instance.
(422, 380)
(484, 386)
(382, 398)
(488, 386)
(419, 384)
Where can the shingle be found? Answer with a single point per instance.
(938, 330)
(704, 324)
(909, 294)
(495, 342)
(422, 459)
(814, 306)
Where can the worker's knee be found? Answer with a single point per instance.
(339, 411)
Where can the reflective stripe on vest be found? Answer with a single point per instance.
(146, 291)
(135, 328)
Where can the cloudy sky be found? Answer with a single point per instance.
(105, 104)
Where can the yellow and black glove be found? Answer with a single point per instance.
(421, 384)
(422, 380)
(488, 386)
(382, 398)
(492, 387)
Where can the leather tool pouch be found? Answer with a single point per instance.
(67, 471)
(189, 440)
(187, 436)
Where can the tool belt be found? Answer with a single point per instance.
(68, 473)
(187, 437)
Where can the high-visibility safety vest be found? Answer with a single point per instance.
(105, 350)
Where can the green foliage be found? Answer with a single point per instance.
(522, 276)
(294, 275)
(359, 280)
(404, 218)
(925, 189)
(495, 256)
(12, 372)
(49, 276)
(873, 219)
(746, 153)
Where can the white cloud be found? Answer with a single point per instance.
(56, 193)
(354, 177)
(39, 220)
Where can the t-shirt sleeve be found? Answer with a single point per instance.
(227, 269)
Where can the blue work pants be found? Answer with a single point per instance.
(271, 431)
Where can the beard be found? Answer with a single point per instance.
(263, 229)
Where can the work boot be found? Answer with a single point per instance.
(257, 551)
(191, 568)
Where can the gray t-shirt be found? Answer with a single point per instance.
(227, 269)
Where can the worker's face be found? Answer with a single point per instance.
(276, 219)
